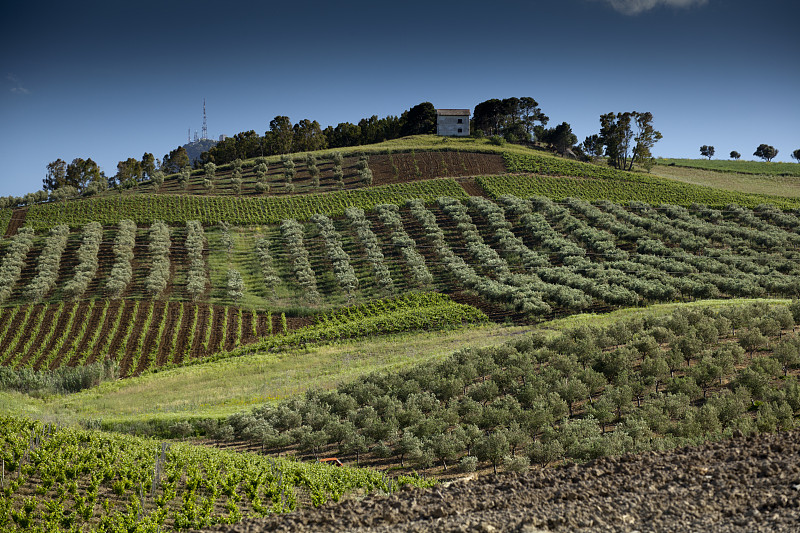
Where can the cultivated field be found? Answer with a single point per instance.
(427, 305)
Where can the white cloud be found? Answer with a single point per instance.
(16, 85)
(634, 7)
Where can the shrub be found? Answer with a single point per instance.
(468, 463)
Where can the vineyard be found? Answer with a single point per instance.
(138, 335)
(66, 479)
(514, 259)
(313, 270)
(237, 211)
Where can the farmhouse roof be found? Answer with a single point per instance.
(453, 112)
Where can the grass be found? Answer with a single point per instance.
(739, 167)
(767, 184)
(232, 385)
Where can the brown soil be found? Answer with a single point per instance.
(129, 349)
(202, 320)
(233, 328)
(742, 484)
(471, 187)
(15, 325)
(17, 221)
(127, 316)
(44, 328)
(114, 309)
(181, 345)
(94, 323)
(163, 355)
(405, 167)
(151, 340)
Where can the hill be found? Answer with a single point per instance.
(319, 269)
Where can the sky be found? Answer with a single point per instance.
(111, 79)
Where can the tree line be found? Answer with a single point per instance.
(307, 135)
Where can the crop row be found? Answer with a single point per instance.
(528, 257)
(177, 210)
(411, 312)
(137, 335)
(637, 189)
(634, 386)
(63, 479)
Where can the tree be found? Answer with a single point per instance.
(515, 118)
(83, 172)
(530, 113)
(148, 165)
(592, 146)
(766, 152)
(488, 116)
(788, 353)
(796, 155)
(307, 136)
(561, 137)
(175, 160)
(56, 175)
(129, 173)
(628, 138)
(707, 151)
(492, 448)
(210, 170)
(280, 135)
(735, 154)
(418, 120)
(445, 446)
(235, 285)
(158, 179)
(408, 445)
(344, 134)
(183, 176)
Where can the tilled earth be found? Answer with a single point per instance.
(743, 484)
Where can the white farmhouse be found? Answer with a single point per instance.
(452, 122)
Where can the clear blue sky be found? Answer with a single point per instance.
(111, 80)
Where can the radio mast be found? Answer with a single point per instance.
(205, 128)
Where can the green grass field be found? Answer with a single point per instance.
(763, 184)
(739, 167)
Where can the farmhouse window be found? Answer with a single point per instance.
(459, 130)
(460, 121)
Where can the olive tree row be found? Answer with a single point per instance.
(14, 260)
(122, 271)
(49, 262)
(195, 244)
(158, 249)
(292, 233)
(86, 268)
(366, 236)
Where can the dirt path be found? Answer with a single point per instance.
(18, 217)
(742, 484)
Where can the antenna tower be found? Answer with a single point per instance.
(205, 128)
(189, 135)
